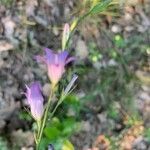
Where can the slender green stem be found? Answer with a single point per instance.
(78, 22)
(57, 105)
(104, 4)
(39, 127)
(40, 133)
(54, 110)
(37, 146)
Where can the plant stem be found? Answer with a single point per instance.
(37, 145)
(54, 110)
(104, 4)
(78, 21)
(44, 120)
(39, 127)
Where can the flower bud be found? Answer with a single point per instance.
(35, 100)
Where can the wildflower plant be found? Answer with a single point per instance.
(55, 63)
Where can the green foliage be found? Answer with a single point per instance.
(58, 133)
(59, 144)
(62, 128)
(133, 119)
(119, 41)
(94, 54)
(3, 144)
(99, 7)
(133, 48)
(73, 103)
(25, 116)
(147, 133)
(113, 112)
(52, 133)
(6, 3)
(93, 10)
(114, 82)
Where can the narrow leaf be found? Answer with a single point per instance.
(65, 37)
(99, 7)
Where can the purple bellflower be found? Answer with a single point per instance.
(55, 64)
(35, 100)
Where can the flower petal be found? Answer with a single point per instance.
(70, 59)
(35, 89)
(62, 57)
(35, 100)
(50, 56)
(37, 109)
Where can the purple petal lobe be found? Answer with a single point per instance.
(62, 57)
(50, 56)
(70, 59)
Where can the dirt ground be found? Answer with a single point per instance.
(28, 26)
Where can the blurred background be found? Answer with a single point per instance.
(110, 106)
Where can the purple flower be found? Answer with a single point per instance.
(55, 63)
(35, 100)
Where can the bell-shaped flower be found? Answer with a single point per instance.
(55, 64)
(35, 100)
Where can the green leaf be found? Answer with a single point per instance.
(52, 133)
(119, 41)
(72, 100)
(55, 122)
(67, 145)
(101, 6)
(44, 144)
(68, 126)
(25, 116)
